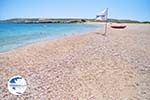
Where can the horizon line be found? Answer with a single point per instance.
(3, 19)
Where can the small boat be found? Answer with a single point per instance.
(118, 26)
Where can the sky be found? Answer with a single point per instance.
(118, 9)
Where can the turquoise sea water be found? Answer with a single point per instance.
(13, 35)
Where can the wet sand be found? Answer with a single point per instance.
(89, 66)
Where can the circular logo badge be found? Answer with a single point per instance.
(17, 85)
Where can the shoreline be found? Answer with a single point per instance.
(67, 36)
(45, 39)
(84, 66)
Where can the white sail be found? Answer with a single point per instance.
(102, 15)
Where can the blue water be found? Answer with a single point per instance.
(13, 35)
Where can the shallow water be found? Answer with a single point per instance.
(13, 35)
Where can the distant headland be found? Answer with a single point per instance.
(67, 20)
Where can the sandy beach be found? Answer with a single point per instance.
(89, 66)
